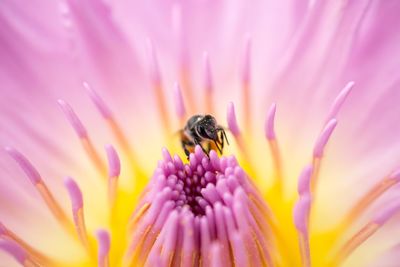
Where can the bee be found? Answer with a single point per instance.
(204, 131)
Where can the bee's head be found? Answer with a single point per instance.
(207, 127)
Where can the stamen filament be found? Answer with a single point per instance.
(319, 151)
(8, 236)
(114, 127)
(368, 230)
(301, 217)
(103, 239)
(83, 135)
(274, 148)
(18, 253)
(208, 84)
(339, 101)
(234, 128)
(114, 169)
(301, 214)
(369, 197)
(363, 234)
(41, 187)
(77, 211)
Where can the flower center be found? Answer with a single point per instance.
(206, 212)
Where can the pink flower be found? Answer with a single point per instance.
(309, 93)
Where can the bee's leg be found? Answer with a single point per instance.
(219, 149)
(221, 136)
(197, 142)
(185, 145)
(224, 135)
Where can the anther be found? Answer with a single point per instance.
(83, 135)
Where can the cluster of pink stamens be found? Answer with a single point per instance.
(204, 213)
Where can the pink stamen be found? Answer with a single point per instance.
(40, 185)
(319, 148)
(270, 123)
(216, 255)
(16, 251)
(75, 195)
(273, 145)
(323, 138)
(25, 165)
(33, 254)
(114, 163)
(374, 193)
(179, 103)
(367, 231)
(303, 186)
(113, 125)
(98, 101)
(301, 215)
(73, 119)
(82, 134)
(339, 101)
(103, 239)
(114, 170)
(189, 246)
(231, 119)
(386, 213)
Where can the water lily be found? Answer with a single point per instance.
(94, 94)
